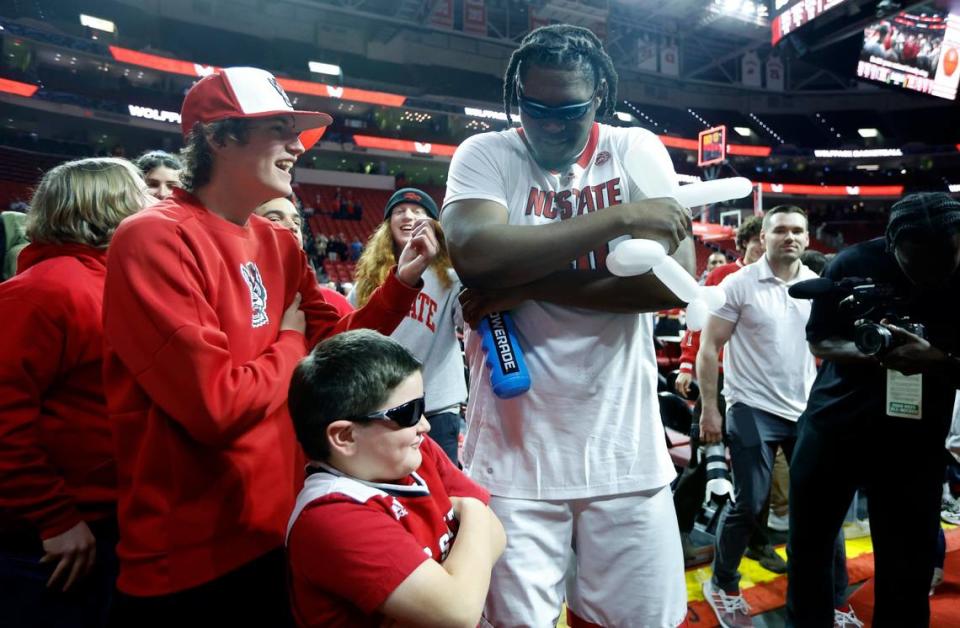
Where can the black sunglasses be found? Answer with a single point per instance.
(539, 111)
(405, 415)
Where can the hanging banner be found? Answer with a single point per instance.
(775, 77)
(475, 17)
(441, 14)
(647, 52)
(669, 57)
(750, 70)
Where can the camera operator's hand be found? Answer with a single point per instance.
(911, 354)
(711, 425)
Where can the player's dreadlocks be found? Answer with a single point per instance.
(562, 46)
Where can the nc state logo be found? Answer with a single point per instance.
(602, 158)
(258, 294)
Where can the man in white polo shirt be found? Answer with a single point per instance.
(768, 372)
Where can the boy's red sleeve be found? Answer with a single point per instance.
(388, 306)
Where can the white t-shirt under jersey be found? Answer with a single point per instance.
(590, 423)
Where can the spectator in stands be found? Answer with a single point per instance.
(356, 249)
(57, 472)
(867, 426)
(206, 312)
(322, 242)
(716, 259)
(283, 212)
(578, 465)
(161, 171)
(336, 248)
(382, 531)
(768, 371)
(430, 329)
(13, 238)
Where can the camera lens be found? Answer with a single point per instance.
(872, 339)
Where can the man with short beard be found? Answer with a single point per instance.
(768, 371)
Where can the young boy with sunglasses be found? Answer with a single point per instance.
(385, 526)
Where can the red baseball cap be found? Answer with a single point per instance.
(246, 93)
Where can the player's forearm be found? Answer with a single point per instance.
(599, 290)
(708, 368)
(503, 256)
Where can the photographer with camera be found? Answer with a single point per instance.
(879, 411)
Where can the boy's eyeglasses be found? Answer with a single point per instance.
(405, 415)
(538, 111)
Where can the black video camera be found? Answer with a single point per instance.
(871, 303)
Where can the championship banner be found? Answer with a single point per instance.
(775, 77)
(750, 70)
(441, 14)
(475, 17)
(647, 52)
(669, 57)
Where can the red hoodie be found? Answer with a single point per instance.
(196, 371)
(56, 453)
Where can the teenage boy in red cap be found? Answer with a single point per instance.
(207, 310)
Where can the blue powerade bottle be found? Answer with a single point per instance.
(509, 376)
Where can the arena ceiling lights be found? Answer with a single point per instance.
(329, 69)
(868, 132)
(312, 88)
(98, 23)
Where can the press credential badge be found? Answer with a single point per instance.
(904, 395)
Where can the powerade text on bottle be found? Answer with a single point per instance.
(509, 376)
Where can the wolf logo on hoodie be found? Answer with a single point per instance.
(258, 294)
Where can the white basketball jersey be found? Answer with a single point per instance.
(590, 423)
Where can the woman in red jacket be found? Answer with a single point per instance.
(57, 470)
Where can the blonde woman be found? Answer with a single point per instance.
(57, 471)
(429, 331)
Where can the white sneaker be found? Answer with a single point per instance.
(847, 619)
(778, 523)
(732, 611)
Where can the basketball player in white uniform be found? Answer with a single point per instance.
(577, 466)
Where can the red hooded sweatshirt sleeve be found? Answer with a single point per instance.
(56, 454)
(197, 371)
